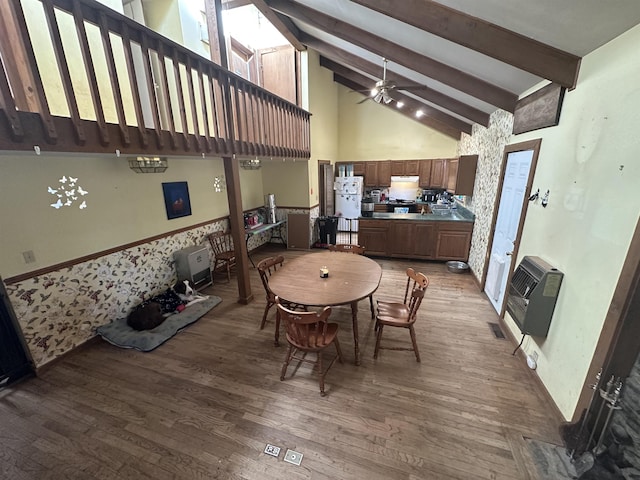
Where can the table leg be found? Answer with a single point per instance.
(246, 241)
(354, 317)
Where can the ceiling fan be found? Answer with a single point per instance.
(381, 92)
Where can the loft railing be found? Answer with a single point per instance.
(77, 76)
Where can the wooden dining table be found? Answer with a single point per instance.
(351, 278)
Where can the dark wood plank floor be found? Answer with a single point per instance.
(205, 404)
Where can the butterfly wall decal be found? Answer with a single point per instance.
(57, 205)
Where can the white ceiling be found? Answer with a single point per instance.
(574, 26)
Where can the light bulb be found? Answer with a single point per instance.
(419, 113)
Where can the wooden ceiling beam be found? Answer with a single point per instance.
(429, 67)
(490, 39)
(432, 116)
(282, 24)
(428, 94)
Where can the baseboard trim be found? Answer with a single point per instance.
(79, 348)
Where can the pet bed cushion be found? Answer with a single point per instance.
(122, 335)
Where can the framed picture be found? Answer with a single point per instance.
(176, 199)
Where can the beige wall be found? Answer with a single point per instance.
(588, 163)
(287, 180)
(371, 132)
(122, 206)
(324, 107)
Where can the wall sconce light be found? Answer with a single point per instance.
(251, 164)
(148, 164)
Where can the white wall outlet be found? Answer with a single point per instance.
(29, 256)
(532, 360)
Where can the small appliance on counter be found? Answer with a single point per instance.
(368, 207)
(376, 196)
(270, 208)
(430, 195)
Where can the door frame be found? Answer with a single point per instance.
(322, 200)
(516, 147)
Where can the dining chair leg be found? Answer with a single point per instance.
(378, 337)
(228, 272)
(286, 362)
(373, 313)
(321, 372)
(415, 344)
(335, 340)
(266, 312)
(276, 340)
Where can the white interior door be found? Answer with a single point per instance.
(510, 208)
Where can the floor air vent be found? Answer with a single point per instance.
(496, 330)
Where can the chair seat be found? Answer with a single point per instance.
(226, 255)
(393, 321)
(392, 308)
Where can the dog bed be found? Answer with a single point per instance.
(122, 335)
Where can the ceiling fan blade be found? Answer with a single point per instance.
(360, 91)
(411, 87)
(364, 100)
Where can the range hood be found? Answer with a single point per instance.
(403, 187)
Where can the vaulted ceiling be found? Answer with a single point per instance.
(471, 56)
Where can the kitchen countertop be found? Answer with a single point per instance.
(459, 214)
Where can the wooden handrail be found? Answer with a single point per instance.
(178, 87)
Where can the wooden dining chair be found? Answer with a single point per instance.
(222, 245)
(347, 247)
(414, 280)
(400, 318)
(358, 250)
(309, 332)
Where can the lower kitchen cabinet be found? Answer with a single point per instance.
(454, 241)
(437, 240)
(374, 236)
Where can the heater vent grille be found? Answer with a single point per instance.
(532, 296)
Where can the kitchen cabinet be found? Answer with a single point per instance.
(454, 241)
(424, 170)
(358, 169)
(437, 173)
(423, 239)
(461, 183)
(452, 172)
(377, 174)
(405, 167)
(374, 236)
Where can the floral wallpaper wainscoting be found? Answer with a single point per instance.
(489, 144)
(60, 310)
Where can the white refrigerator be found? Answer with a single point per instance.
(348, 198)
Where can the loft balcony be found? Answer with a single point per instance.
(77, 76)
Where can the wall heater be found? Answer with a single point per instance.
(532, 295)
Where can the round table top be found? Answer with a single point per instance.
(351, 278)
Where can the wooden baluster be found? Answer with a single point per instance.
(8, 106)
(260, 121)
(113, 76)
(192, 100)
(49, 130)
(280, 125)
(255, 108)
(205, 113)
(237, 115)
(166, 96)
(183, 111)
(63, 68)
(91, 72)
(217, 137)
(245, 118)
(133, 82)
(151, 88)
(271, 122)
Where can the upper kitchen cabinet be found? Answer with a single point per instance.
(377, 174)
(405, 167)
(424, 170)
(438, 170)
(359, 169)
(461, 174)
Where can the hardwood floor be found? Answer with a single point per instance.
(205, 404)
